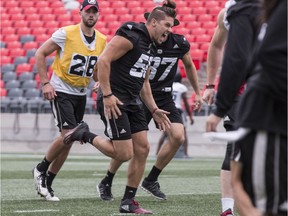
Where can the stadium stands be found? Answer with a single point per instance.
(27, 24)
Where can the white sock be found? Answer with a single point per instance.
(227, 203)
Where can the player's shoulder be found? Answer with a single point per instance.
(180, 40)
(132, 27)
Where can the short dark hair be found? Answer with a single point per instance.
(167, 9)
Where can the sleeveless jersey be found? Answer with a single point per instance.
(75, 66)
(165, 63)
(128, 72)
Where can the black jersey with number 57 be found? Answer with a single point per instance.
(128, 72)
(164, 64)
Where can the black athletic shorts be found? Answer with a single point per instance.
(264, 160)
(131, 121)
(167, 104)
(68, 110)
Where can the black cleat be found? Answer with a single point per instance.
(104, 191)
(153, 188)
(76, 134)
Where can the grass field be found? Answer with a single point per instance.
(191, 186)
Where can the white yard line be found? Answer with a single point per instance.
(40, 210)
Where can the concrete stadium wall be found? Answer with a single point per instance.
(31, 133)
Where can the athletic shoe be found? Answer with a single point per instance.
(131, 206)
(228, 212)
(104, 191)
(76, 134)
(51, 196)
(153, 188)
(40, 182)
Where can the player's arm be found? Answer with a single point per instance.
(159, 115)
(45, 50)
(114, 50)
(215, 55)
(191, 74)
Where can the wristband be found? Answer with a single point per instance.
(109, 95)
(154, 111)
(46, 83)
(210, 86)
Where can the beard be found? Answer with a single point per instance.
(89, 23)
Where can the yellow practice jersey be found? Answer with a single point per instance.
(77, 63)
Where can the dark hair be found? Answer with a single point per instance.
(167, 9)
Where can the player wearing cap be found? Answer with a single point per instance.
(77, 49)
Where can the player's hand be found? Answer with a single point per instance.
(163, 122)
(208, 96)
(212, 122)
(48, 92)
(198, 103)
(96, 87)
(111, 108)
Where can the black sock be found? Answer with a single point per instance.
(50, 178)
(130, 193)
(88, 137)
(153, 175)
(108, 179)
(43, 166)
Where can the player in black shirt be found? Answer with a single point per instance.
(260, 169)
(122, 72)
(163, 70)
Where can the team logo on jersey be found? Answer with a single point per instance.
(159, 51)
(129, 26)
(175, 46)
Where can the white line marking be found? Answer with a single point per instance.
(43, 210)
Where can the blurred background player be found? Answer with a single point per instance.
(78, 48)
(239, 45)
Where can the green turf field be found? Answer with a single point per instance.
(191, 186)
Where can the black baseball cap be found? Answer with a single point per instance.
(86, 4)
(176, 21)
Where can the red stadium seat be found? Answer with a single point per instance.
(197, 57)
(26, 4)
(209, 25)
(194, 46)
(187, 18)
(121, 11)
(133, 4)
(193, 24)
(6, 59)
(38, 31)
(203, 38)
(5, 16)
(3, 92)
(210, 32)
(195, 4)
(137, 10)
(14, 44)
(189, 38)
(14, 11)
(30, 45)
(211, 4)
(183, 10)
(48, 17)
(59, 11)
(36, 24)
(126, 17)
(8, 31)
(26, 67)
(67, 23)
(204, 17)
(214, 11)
(104, 11)
(198, 31)
(58, 4)
(45, 10)
(32, 17)
(6, 24)
(204, 47)
(41, 4)
(118, 4)
(139, 18)
(42, 38)
(110, 18)
(23, 31)
(21, 24)
(148, 5)
(50, 31)
(182, 31)
(11, 4)
(52, 24)
(199, 10)
(28, 10)
(17, 17)
(4, 52)
(17, 52)
(63, 17)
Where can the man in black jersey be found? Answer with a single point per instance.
(123, 77)
(163, 70)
